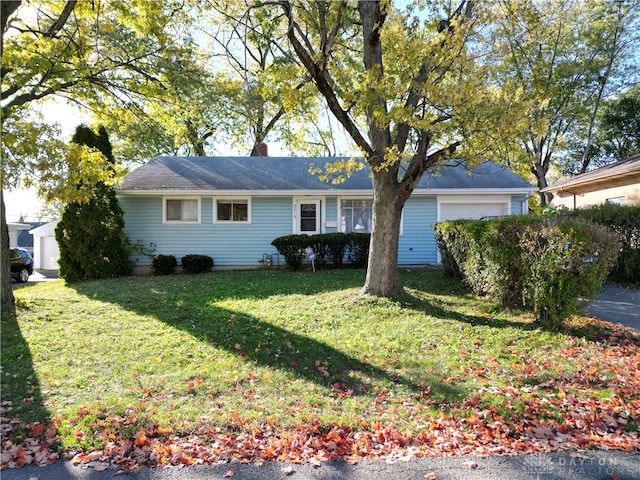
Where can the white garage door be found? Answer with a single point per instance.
(50, 253)
(474, 211)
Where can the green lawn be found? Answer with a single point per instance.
(264, 352)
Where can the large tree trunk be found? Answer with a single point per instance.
(541, 177)
(8, 306)
(382, 270)
(540, 168)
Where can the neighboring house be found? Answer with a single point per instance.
(14, 232)
(25, 239)
(618, 182)
(45, 247)
(231, 208)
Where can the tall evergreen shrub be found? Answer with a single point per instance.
(91, 235)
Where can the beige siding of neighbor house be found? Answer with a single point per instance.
(629, 194)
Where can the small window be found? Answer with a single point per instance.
(236, 210)
(356, 215)
(617, 201)
(182, 210)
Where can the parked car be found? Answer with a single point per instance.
(21, 265)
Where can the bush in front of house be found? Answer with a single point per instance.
(194, 263)
(358, 249)
(90, 234)
(624, 220)
(337, 245)
(91, 238)
(163, 264)
(546, 264)
(293, 248)
(319, 244)
(333, 247)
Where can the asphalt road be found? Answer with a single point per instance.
(592, 465)
(617, 305)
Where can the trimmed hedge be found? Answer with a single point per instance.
(358, 249)
(293, 248)
(163, 264)
(196, 263)
(544, 264)
(328, 248)
(625, 222)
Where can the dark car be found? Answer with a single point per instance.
(21, 264)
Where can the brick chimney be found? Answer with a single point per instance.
(263, 149)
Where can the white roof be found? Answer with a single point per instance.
(46, 230)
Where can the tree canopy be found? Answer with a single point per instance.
(558, 60)
(618, 135)
(405, 85)
(240, 88)
(85, 52)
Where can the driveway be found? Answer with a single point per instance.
(40, 276)
(617, 305)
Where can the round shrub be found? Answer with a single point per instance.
(293, 248)
(196, 263)
(567, 261)
(163, 264)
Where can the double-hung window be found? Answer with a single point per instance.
(356, 215)
(232, 210)
(181, 210)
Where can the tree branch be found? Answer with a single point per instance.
(323, 81)
(61, 20)
(464, 11)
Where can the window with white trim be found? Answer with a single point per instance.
(181, 210)
(232, 210)
(356, 215)
(617, 200)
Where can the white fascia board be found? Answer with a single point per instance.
(475, 191)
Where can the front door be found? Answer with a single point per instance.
(307, 216)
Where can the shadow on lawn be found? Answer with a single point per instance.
(19, 385)
(591, 330)
(178, 304)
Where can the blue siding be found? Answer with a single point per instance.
(239, 244)
(228, 244)
(417, 243)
